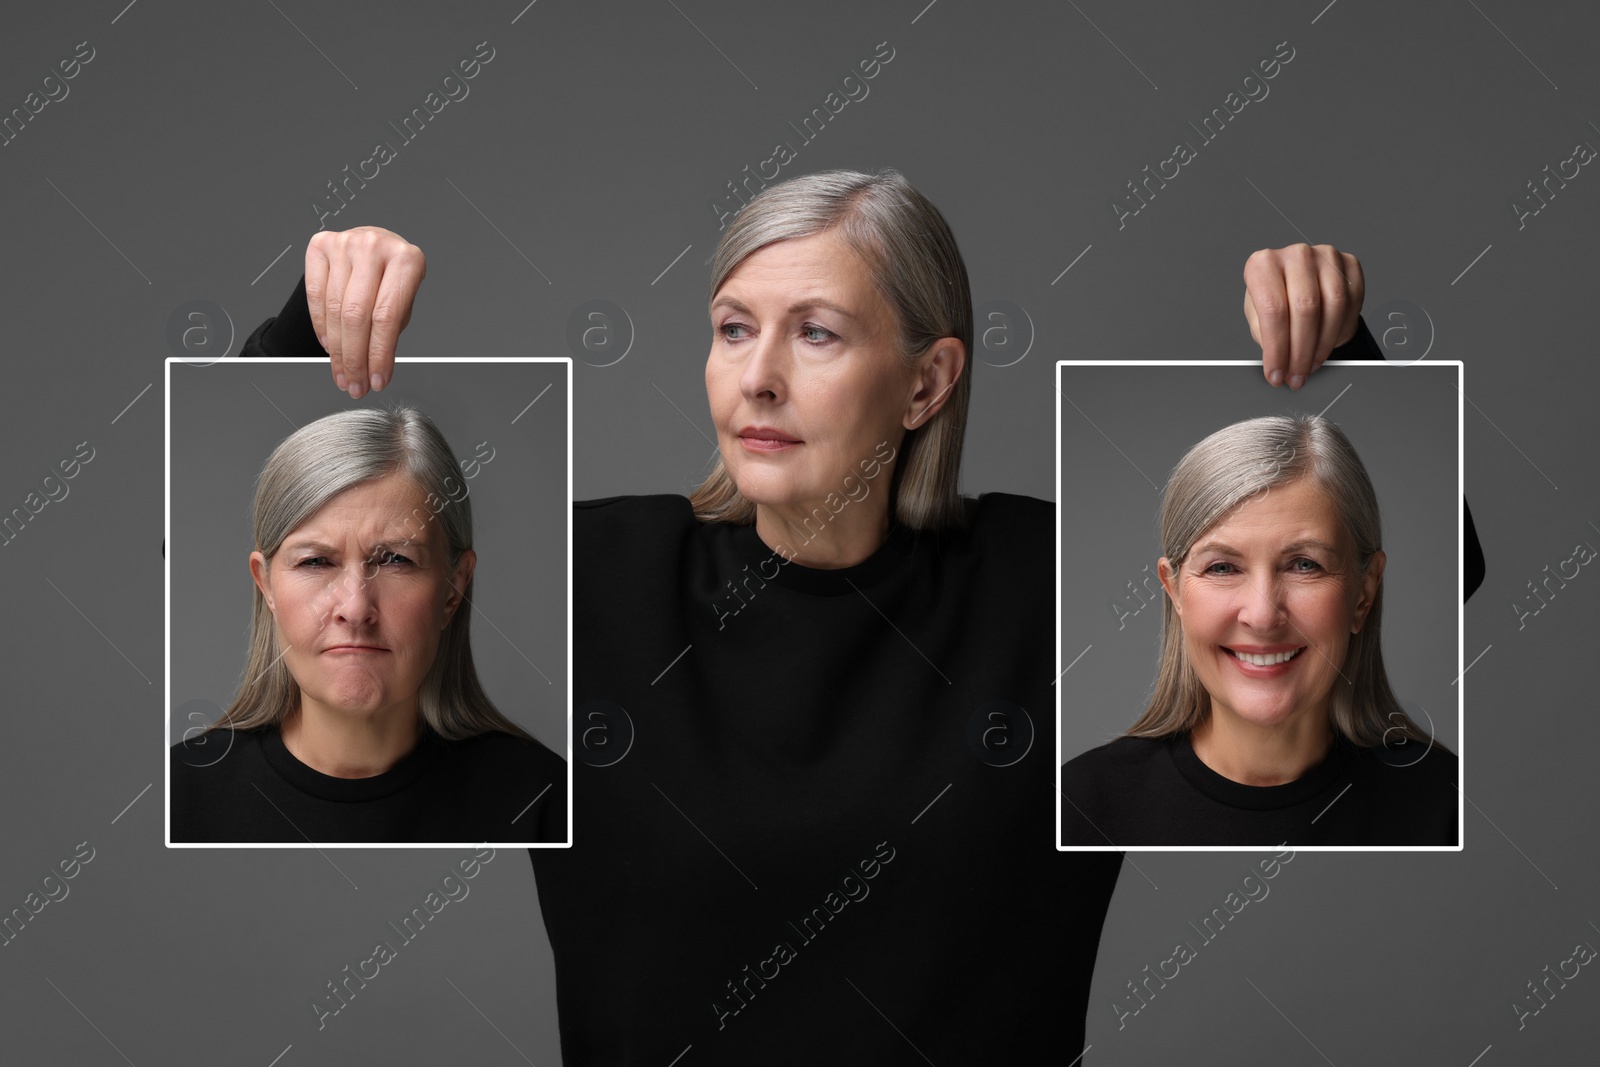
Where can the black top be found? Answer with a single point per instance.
(810, 801)
(1140, 791)
(239, 786)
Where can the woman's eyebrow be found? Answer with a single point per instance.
(794, 309)
(387, 545)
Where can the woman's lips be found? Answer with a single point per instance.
(352, 649)
(763, 441)
(1266, 663)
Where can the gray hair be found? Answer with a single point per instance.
(915, 266)
(306, 470)
(1227, 469)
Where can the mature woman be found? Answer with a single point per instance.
(813, 824)
(360, 718)
(1272, 719)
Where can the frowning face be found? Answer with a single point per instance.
(1268, 599)
(360, 593)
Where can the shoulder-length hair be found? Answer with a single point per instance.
(1227, 469)
(912, 258)
(305, 471)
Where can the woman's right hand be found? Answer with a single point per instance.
(360, 285)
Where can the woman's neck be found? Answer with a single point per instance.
(823, 537)
(1251, 754)
(342, 746)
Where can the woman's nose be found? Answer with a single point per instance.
(765, 369)
(1262, 607)
(352, 597)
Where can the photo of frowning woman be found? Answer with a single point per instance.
(1272, 718)
(361, 718)
(808, 689)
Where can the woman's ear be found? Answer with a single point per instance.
(460, 578)
(1169, 581)
(258, 571)
(1369, 590)
(937, 371)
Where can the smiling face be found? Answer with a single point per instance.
(1268, 599)
(804, 378)
(360, 593)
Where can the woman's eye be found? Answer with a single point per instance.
(1304, 565)
(393, 558)
(810, 328)
(313, 561)
(1218, 568)
(725, 327)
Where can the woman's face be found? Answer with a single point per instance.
(804, 351)
(1276, 582)
(361, 593)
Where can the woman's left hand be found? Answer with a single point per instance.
(1302, 302)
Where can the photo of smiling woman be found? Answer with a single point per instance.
(807, 691)
(1272, 718)
(361, 718)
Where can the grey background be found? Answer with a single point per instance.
(182, 165)
(229, 416)
(1125, 425)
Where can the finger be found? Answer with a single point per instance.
(1305, 303)
(1335, 303)
(1358, 294)
(355, 317)
(1263, 278)
(316, 286)
(339, 267)
(391, 312)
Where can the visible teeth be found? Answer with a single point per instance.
(1267, 661)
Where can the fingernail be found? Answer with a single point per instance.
(1276, 378)
(377, 382)
(1296, 381)
(356, 390)
(340, 380)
